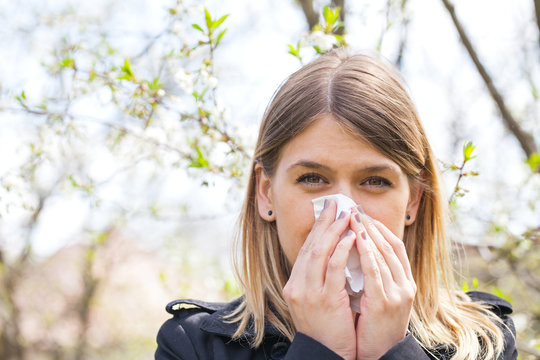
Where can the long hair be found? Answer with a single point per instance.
(367, 97)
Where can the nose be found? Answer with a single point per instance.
(346, 189)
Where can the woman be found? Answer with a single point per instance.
(342, 125)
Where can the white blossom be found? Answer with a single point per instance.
(212, 82)
(323, 41)
(184, 80)
(195, 10)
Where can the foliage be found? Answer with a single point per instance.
(115, 119)
(323, 37)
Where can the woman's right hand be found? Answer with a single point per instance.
(315, 292)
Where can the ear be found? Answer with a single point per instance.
(417, 190)
(263, 193)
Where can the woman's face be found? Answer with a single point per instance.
(325, 159)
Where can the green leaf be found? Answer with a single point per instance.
(155, 84)
(90, 254)
(331, 17)
(198, 27)
(327, 14)
(534, 91)
(465, 286)
(21, 98)
(336, 16)
(127, 73)
(208, 18)
(101, 237)
(293, 51)
(73, 181)
(231, 288)
(220, 21)
(475, 283)
(220, 36)
(533, 161)
(200, 161)
(498, 292)
(468, 148)
(67, 63)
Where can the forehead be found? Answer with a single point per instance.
(327, 141)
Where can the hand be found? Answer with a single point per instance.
(389, 288)
(315, 292)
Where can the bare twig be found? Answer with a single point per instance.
(403, 36)
(525, 139)
(341, 4)
(312, 17)
(537, 10)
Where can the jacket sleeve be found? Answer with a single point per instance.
(173, 343)
(304, 347)
(510, 351)
(407, 349)
(502, 309)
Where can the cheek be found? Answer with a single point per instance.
(394, 222)
(390, 213)
(294, 220)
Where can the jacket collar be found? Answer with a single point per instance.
(217, 323)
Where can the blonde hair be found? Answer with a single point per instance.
(367, 97)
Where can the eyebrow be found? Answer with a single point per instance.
(317, 166)
(308, 164)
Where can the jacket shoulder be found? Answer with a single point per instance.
(181, 337)
(498, 305)
(177, 307)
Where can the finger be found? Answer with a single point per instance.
(325, 219)
(335, 272)
(398, 246)
(318, 254)
(385, 249)
(386, 275)
(373, 284)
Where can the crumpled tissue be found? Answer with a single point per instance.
(353, 271)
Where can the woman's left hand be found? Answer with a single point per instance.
(389, 288)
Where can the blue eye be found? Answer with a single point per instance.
(310, 179)
(376, 181)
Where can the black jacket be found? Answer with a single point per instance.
(199, 332)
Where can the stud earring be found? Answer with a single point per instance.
(270, 212)
(408, 217)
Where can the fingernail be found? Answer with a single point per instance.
(341, 215)
(363, 235)
(357, 217)
(360, 209)
(325, 204)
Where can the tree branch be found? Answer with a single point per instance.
(341, 5)
(537, 10)
(525, 139)
(312, 17)
(403, 36)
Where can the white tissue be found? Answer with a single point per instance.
(353, 271)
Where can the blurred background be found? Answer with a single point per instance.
(127, 127)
